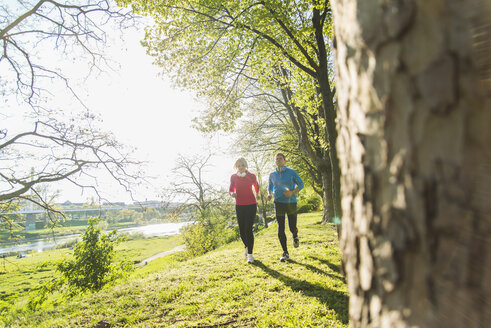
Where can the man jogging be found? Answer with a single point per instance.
(285, 183)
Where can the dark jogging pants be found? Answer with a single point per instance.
(245, 218)
(282, 210)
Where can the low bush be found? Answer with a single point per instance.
(307, 208)
(90, 270)
(209, 232)
(309, 202)
(92, 266)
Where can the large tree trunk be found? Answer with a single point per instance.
(414, 145)
(329, 109)
(321, 159)
(332, 136)
(327, 194)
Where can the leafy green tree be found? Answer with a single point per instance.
(92, 267)
(266, 129)
(230, 51)
(129, 215)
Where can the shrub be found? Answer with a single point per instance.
(309, 202)
(315, 201)
(92, 267)
(208, 233)
(306, 208)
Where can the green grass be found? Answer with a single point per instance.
(19, 276)
(219, 289)
(139, 249)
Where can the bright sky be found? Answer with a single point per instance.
(144, 111)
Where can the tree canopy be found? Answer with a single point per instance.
(232, 51)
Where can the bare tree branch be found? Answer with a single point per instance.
(189, 182)
(57, 148)
(29, 26)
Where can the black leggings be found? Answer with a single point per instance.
(245, 218)
(281, 210)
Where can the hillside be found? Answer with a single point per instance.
(220, 290)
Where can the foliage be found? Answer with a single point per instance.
(231, 52)
(124, 215)
(92, 267)
(40, 294)
(308, 201)
(210, 231)
(225, 50)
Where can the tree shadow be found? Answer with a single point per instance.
(319, 271)
(335, 300)
(333, 267)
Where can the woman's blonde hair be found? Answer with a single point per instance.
(240, 161)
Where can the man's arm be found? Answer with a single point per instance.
(298, 181)
(299, 185)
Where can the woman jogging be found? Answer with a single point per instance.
(241, 188)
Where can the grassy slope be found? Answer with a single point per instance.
(220, 289)
(19, 276)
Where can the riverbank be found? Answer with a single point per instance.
(219, 289)
(64, 240)
(20, 235)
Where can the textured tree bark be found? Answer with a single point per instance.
(414, 148)
(327, 193)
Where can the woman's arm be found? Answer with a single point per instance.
(231, 189)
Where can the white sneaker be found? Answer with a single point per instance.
(250, 258)
(284, 257)
(296, 242)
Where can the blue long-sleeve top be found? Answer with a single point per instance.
(282, 181)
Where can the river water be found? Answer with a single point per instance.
(39, 245)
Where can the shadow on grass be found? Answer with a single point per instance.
(335, 300)
(319, 271)
(333, 267)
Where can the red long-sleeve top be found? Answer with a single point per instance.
(242, 186)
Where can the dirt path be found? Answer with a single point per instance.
(156, 256)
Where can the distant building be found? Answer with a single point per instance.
(149, 203)
(121, 204)
(68, 203)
